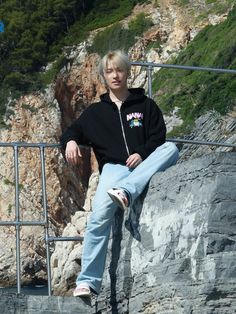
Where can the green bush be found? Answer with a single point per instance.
(47, 77)
(29, 108)
(35, 33)
(117, 37)
(196, 92)
(183, 2)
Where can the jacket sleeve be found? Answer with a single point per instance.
(75, 132)
(155, 130)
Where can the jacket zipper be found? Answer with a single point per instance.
(123, 133)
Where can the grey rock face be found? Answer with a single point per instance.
(175, 251)
(214, 127)
(10, 303)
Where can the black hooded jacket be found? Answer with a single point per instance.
(138, 127)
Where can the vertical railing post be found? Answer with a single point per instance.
(149, 69)
(46, 227)
(17, 220)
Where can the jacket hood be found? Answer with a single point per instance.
(136, 95)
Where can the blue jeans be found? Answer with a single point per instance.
(133, 181)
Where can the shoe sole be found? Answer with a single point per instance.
(82, 294)
(117, 200)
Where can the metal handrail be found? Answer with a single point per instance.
(45, 223)
(53, 239)
(151, 65)
(199, 142)
(17, 223)
(183, 67)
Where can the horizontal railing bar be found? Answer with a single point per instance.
(183, 67)
(176, 140)
(23, 144)
(52, 239)
(23, 223)
(37, 145)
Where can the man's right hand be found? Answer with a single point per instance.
(72, 152)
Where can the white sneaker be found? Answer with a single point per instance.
(82, 290)
(119, 197)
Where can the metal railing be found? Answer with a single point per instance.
(18, 223)
(151, 65)
(42, 146)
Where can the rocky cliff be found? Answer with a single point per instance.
(175, 251)
(41, 117)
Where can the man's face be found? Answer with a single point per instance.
(116, 78)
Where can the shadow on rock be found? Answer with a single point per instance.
(132, 225)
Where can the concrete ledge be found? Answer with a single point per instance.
(11, 303)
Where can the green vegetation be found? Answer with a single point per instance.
(48, 76)
(101, 14)
(35, 33)
(195, 92)
(219, 7)
(9, 209)
(8, 182)
(183, 2)
(30, 108)
(214, 7)
(117, 37)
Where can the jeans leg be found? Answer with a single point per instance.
(99, 227)
(162, 158)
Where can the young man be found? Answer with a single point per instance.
(127, 132)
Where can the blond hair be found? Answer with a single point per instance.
(118, 57)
